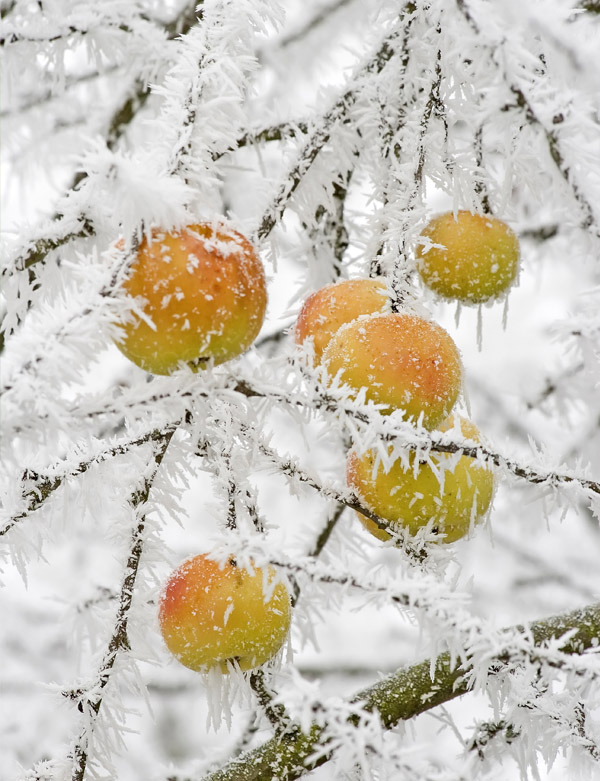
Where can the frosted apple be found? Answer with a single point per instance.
(326, 310)
(210, 614)
(478, 259)
(403, 361)
(204, 291)
(452, 494)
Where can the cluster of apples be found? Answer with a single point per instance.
(405, 362)
(203, 293)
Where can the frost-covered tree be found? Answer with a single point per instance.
(328, 133)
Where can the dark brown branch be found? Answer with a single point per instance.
(326, 531)
(480, 186)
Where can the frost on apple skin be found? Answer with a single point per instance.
(203, 297)
(470, 258)
(326, 310)
(403, 361)
(221, 617)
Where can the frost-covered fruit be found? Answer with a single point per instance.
(326, 310)
(211, 614)
(478, 259)
(403, 361)
(204, 291)
(453, 491)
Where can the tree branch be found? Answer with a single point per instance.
(89, 701)
(551, 136)
(45, 485)
(399, 697)
(321, 136)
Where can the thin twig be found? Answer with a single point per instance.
(551, 136)
(274, 711)
(90, 701)
(320, 137)
(45, 485)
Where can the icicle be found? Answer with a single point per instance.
(217, 697)
(479, 328)
(505, 314)
(466, 399)
(457, 313)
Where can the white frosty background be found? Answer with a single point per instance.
(526, 74)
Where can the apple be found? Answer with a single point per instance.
(453, 494)
(211, 614)
(326, 310)
(403, 361)
(477, 261)
(203, 289)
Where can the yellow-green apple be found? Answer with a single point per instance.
(211, 614)
(476, 258)
(326, 310)
(403, 361)
(203, 289)
(452, 494)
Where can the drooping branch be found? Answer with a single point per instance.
(400, 697)
(346, 498)
(435, 441)
(416, 439)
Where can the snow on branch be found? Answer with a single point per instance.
(331, 132)
(405, 695)
(322, 133)
(89, 701)
(500, 51)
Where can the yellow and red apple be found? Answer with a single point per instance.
(452, 493)
(327, 309)
(203, 290)
(405, 362)
(475, 257)
(214, 614)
